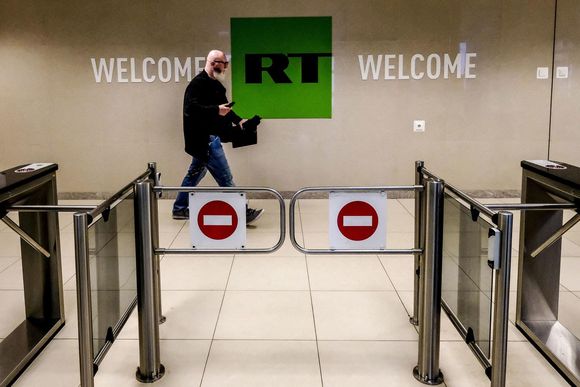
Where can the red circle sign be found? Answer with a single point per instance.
(357, 220)
(217, 220)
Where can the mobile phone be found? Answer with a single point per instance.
(231, 104)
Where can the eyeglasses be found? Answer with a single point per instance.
(225, 63)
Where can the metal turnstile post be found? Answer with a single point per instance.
(419, 230)
(502, 302)
(41, 265)
(427, 370)
(150, 368)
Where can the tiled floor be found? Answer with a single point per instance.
(283, 319)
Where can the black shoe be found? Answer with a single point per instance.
(181, 214)
(253, 214)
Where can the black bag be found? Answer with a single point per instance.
(246, 134)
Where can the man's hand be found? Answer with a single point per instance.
(224, 109)
(242, 122)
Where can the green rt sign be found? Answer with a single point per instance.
(282, 66)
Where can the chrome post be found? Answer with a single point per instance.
(155, 237)
(83, 281)
(427, 370)
(418, 241)
(501, 302)
(150, 368)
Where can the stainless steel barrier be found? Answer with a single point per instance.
(419, 239)
(276, 194)
(541, 310)
(149, 292)
(427, 250)
(429, 307)
(495, 367)
(87, 244)
(427, 262)
(302, 249)
(150, 367)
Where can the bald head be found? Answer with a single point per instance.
(216, 63)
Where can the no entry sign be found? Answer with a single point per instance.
(217, 220)
(357, 220)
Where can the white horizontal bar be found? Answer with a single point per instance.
(360, 221)
(217, 220)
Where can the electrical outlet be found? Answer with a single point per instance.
(542, 73)
(419, 125)
(562, 72)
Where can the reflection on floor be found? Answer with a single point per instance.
(283, 319)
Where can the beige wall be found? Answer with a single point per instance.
(565, 131)
(102, 134)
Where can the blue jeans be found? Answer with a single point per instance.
(217, 164)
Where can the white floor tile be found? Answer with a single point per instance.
(11, 277)
(408, 204)
(306, 206)
(314, 222)
(70, 329)
(267, 273)
(10, 243)
(569, 312)
(448, 330)
(316, 240)
(166, 239)
(361, 316)
(169, 225)
(347, 273)
(570, 273)
(401, 270)
(372, 364)
(184, 361)
(67, 244)
(262, 364)
(68, 266)
(569, 248)
(12, 311)
(5, 262)
(193, 272)
(574, 235)
(400, 240)
(398, 218)
(56, 366)
(527, 367)
(266, 315)
(190, 315)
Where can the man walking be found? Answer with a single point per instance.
(207, 122)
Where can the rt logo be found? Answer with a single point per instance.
(282, 66)
(279, 63)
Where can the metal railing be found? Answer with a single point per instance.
(82, 223)
(304, 250)
(427, 253)
(147, 192)
(245, 250)
(429, 192)
(496, 368)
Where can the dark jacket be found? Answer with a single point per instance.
(201, 115)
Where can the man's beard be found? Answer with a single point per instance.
(220, 76)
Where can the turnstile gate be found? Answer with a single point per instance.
(41, 265)
(540, 262)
